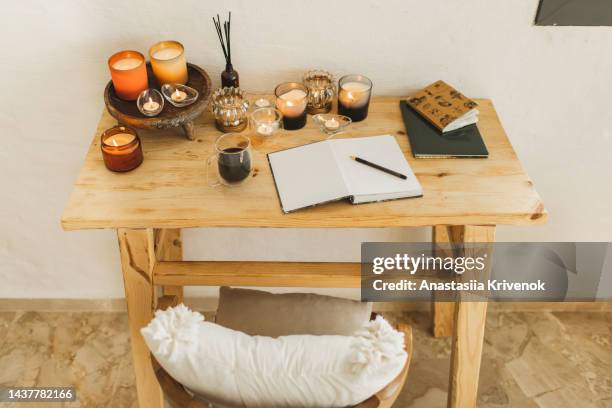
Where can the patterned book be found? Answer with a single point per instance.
(444, 107)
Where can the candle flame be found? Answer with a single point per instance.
(177, 93)
(115, 142)
(150, 100)
(350, 96)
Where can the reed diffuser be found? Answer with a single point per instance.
(229, 77)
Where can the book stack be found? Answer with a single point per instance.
(441, 123)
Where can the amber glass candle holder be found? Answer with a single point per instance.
(129, 74)
(230, 106)
(354, 93)
(321, 90)
(168, 62)
(121, 149)
(291, 101)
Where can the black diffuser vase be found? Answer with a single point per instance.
(229, 77)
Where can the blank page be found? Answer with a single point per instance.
(307, 175)
(368, 184)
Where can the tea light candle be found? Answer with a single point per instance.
(121, 149)
(291, 101)
(168, 62)
(178, 95)
(265, 129)
(150, 105)
(262, 103)
(354, 96)
(129, 74)
(332, 124)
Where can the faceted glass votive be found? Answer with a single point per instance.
(121, 149)
(129, 74)
(150, 102)
(321, 90)
(266, 121)
(291, 101)
(230, 107)
(179, 95)
(331, 124)
(168, 62)
(354, 93)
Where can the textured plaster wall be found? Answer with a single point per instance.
(551, 87)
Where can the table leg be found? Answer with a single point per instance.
(137, 248)
(189, 129)
(169, 247)
(468, 332)
(443, 313)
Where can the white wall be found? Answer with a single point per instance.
(551, 86)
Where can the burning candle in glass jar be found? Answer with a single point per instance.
(129, 74)
(291, 101)
(168, 62)
(354, 96)
(121, 149)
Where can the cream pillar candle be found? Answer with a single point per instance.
(169, 63)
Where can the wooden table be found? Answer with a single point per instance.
(463, 201)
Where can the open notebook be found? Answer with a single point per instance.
(321, 172)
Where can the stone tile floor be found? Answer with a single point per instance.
(530, 359)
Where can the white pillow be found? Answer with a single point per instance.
(231, 368)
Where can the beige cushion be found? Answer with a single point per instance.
(260, 313)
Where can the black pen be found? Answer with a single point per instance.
(378, 167)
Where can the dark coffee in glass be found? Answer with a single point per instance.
(234, 164)
(234, 160)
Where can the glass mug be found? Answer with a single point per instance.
(234, 160)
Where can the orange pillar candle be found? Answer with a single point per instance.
(129, 73)
(121, 148)
(168, 62)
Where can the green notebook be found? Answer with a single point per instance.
(427, 141)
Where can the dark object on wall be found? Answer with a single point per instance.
(229, 77)
(574, 13)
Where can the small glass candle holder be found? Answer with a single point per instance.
(129, 74)
(291, 101)
(121, 149)
(150, 102)
(179, 95)
(331, 124)
(321, 91)
(266, 121)
(230, 107)
(168, 62)
(354, 93)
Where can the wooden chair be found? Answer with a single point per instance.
(178, 397)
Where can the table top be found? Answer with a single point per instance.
(170, 189)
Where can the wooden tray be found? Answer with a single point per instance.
(127, 113)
